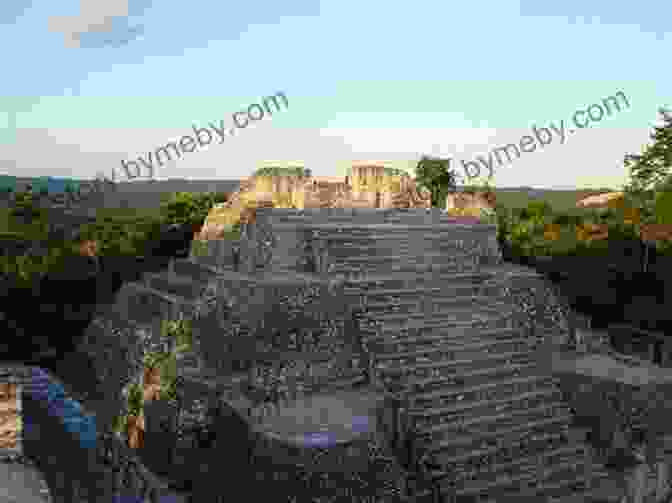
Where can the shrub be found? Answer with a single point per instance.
(278, 171)
(185, 208)
(7, 183)
(663, 207)
(537, 210)
(181, 330)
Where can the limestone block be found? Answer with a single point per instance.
(115, 348)
(160, 431)
(216, 252)
(539, 306)
(466, 200)
(142, 305)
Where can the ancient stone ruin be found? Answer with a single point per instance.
(465, 201)
(408, 311)
(365, 187)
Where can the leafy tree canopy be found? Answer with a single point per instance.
(278, 171)
(436, 176)
(651, 168)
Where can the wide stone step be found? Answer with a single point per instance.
(404, 343)
(447, 369)
(564, 477)
(362, 251)
(387, 251)
(512, 481)
(469, 297)
(558, 475)
(195, 271)
(563, 455)
(392, 327)
(459, 316)
(394, 284)
(428, 219)
(477, 426)
(417, 287)
(566, 485)
(489, 475)
(440, 271)
(491, 391)
(604, 488)
(466, 453)
(473, 378)
(452, 349)
(523, 445)
(448, 334)
(448, 303)
(413, 294)
(486, 407)
(180, 286)
(367, 260)
(143, 305)
(418, 295)
(481, 378)
(450, 352)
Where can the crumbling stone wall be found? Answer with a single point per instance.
(368, 187)
(544, 313)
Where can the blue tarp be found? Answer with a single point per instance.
(67, 410)
(55, 185)
(42, 388)
(60, 185)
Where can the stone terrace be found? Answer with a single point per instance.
(453, 329)
(423, 310)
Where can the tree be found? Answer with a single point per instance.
(436, 176)
(652, 168)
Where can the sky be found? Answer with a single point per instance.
(93, 83)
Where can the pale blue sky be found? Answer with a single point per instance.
(92, 82)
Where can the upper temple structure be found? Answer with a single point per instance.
(368, 186)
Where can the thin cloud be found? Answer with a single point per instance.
(117, 37)
(100, 23)
(12, 10)
(12, 108)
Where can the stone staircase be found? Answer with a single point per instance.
(473, 396)
(445, 338)
(448, 343)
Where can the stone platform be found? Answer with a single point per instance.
(410, 302)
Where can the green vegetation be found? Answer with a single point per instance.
(7, 183)
(117, 232)
(650, 170)
(556, 227)
(199, 248)
(135, 399)
(181, 331)
(388, 171)
(663, 207)
(560, 200)
(188, 208)
(395, 172)
(278, 171)
(436, 176)
(166, 362)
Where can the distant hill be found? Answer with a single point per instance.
(147, 194)
(177, 185)
(514, 197)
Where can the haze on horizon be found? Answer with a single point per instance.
(100, 82)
